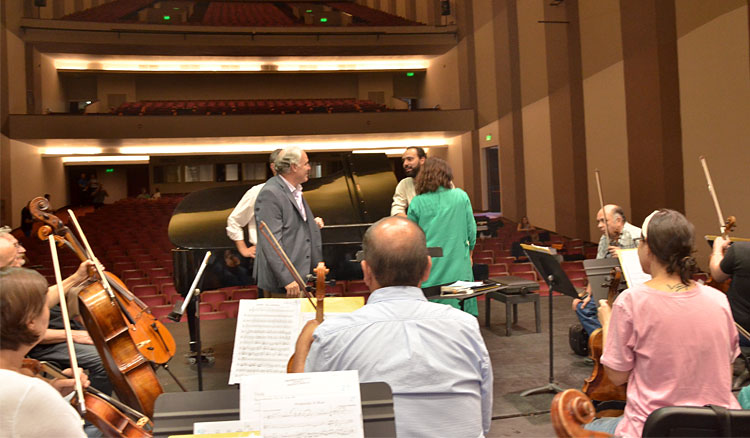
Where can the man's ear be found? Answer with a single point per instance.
(366, 272)
(427, 270)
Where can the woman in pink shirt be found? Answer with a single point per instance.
(671, 339)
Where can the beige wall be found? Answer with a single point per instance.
(604, 107)
(486, 77)
(53, 96)
(540, 198)
(33, 176)
(440, 85)
(536, 116)
(715, 109)
(115, 183)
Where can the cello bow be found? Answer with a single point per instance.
(68, 330)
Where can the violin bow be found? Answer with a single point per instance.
(68, 330)
(601, 203)
(725, 225)
(263, 229)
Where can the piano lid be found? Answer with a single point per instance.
(358, 193)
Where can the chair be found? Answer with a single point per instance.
(355, 287)
(681, 421)
(336, 290)
(145, 290)
(244, 294)
(230, 307)
(213, 296)
(133, 282)
(213, 315)
(153, 300)
(161, 311)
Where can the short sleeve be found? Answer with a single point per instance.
(620, 343)
(728, 263)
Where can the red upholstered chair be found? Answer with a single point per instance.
(573, 266)
(520, 267)
(161, 311)
(498, 269)
(145, 290)
(130, 273)
(356, 287)
(230, 307)
(213, 315)
(529, 275)
(206, 308)
(153, 300)
(161, 281)
(213, 296)
(483, 260)
(133, 282)
(244, 294)
(336, 290)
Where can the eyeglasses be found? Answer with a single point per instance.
(638, 240)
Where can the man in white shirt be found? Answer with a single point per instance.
(431, 355)
(244, 215)
(412, 160)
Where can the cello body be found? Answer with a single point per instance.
(132, 376)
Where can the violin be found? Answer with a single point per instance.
(598, 386)
(320, 294)
(128, 338)
(111, 417)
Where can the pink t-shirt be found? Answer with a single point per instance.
(678, 348)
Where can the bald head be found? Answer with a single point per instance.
(615, 220)
(11, 252)
(395, 251)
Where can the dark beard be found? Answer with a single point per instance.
(413, 172)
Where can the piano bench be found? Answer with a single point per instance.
(513, 299)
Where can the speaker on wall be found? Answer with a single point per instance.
(40, 3)
(445, 7)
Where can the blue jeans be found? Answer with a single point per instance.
(604, 424)
(588, 317)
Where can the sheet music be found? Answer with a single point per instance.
(303, 405)
(631, 267)
(264, 340)
(227, 428)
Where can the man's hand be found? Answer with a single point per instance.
(613, 250)
(585, 300)
(66, 386)
(302, 348)
(292, 290)
(244, 250)
(81, 337)
(319, 222)
(720, 245)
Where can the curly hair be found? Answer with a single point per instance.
(435, 173)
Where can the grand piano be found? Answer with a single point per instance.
(354, 191)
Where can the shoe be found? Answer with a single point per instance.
(588, 361)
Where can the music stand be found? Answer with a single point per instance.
(547, 263)
(598, 272)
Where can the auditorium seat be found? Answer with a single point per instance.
(213, 296)
(144, 290)
(153, 300)
(213, 315)
(356, 286)
(244, 294)
(230, 307)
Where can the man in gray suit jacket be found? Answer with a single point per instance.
(281, 206)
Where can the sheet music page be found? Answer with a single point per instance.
(303, 405)
(264, 340)
(631, 267)
(227, 429)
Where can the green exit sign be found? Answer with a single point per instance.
(488, 137)
(109, 170)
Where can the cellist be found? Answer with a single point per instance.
(671, 339)
(29, 407)
(733, 261)
(52, 345)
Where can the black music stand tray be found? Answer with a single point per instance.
(547, 263)
(175, 412)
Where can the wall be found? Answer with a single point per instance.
(53, 95)
(535, 112)
(604, 107)
(33, 176)
(440, 85)
(715, 107)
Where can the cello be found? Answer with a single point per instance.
(119, 324)
(598, 386)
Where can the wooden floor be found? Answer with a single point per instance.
(519, 362)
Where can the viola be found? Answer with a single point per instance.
(128, 338)
(108, 415)
(598, 386)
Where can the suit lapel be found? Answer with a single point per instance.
(289, 195)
